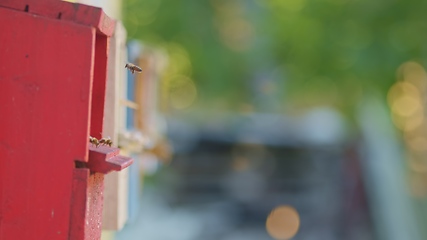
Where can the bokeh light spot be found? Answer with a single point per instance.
(402, 88)
(413, 73)
(283, 222)
(182, 91)
(417, 143)
(240, 164)
(406, 105)
(408, 123)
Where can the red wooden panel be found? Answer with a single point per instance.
(86, 214)
(45, 78)
(106, 159)
(99, 84)
(78, 208)
(94, 202)
(66, 11)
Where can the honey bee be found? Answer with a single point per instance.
(133, 68)
(106, 141)
(94, 141)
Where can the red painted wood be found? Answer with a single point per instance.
(94, 201)
(78, 208)
(45, 78)
(99, 86)
(65, 11)
(86, 214)
(53, 66)
(106, 159)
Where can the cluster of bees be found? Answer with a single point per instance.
(102, 141)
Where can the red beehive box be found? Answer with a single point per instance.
(53, 67)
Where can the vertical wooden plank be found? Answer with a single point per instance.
(114, 80)
(123, 89)
(146, 92)
(45, 79)
(99, 84)
(87, 199)
(78, 206)
(94, 203)
(135, 190)
(116, 183)
(116, 212)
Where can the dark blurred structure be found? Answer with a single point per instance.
(247, 165)
(274, 66)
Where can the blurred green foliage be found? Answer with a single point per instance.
(314, 52)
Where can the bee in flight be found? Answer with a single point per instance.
(133, 68)
(94, 141)
(106, 141)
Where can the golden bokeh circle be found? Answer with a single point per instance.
(283, 222)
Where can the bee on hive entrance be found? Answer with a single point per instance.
(133, 68)
(106, 141)
(94, 141)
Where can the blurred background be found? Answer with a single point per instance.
(280, 119)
